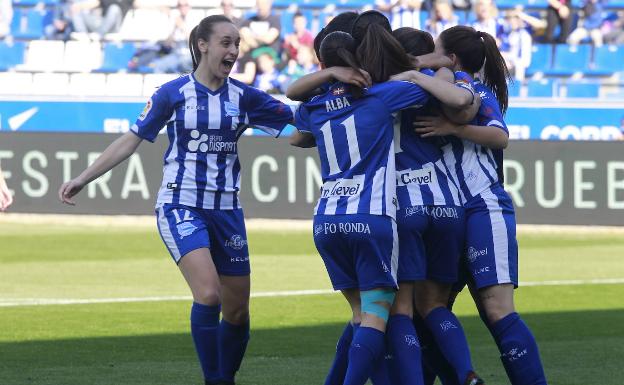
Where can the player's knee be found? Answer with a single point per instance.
(208, 296)
(237, 316)
(496, 307)
(378, 302)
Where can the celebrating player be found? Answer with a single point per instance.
(475, 156)
(354, 224)
(198, 210)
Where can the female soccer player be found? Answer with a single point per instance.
(198, 209)
(475, 156)
(430, 217)
(354, 220)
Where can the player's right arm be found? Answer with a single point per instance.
(303, 137)
(154, 116)
(114, 154)
(304, 87)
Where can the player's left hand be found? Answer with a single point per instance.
(428, 126)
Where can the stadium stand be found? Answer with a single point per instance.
(98, 67)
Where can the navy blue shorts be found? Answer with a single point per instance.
(184, 229)
(359, 250)
(431, 241)
(491, 250)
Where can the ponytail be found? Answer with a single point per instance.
(381, 55)
(338, 49)
(203, 31)
(495, 71)
(193, 47)
(476, 50)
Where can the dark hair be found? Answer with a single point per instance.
(365, 20)
(414, 41)
(203, 30)
(342, 22)
(381, 55)
(338, 49)
(476, 49)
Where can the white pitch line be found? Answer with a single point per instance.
(15, 302)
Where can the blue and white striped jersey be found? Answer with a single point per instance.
(422, 176)
(473, 166)
(201, 166)
(355, 142)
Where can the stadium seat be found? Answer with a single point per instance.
(87, 84)
(541, 59)
(543, 88)
(32, 3)
(569, 60)
(16, 83)
(28, 23)
(514, 88)
(124, 84)
(11, 54)
(82, 56)
(607, 60)
(144, 25)
(151, 82)
(51, 83)
(207, 3)
(582, 89)
(44, 55)
(116, 56)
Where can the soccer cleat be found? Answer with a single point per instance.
(473, 379)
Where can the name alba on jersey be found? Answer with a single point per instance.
(336, 104)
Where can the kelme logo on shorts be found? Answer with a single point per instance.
(236, 242)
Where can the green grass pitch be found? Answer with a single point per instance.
(579, 327)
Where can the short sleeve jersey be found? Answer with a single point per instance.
(354, 137)
(201, 166)
(476, 167)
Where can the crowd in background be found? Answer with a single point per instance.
(271, 60)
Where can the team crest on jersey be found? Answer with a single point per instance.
(146, 109)
(231, 109)
(338, 91)
(185, 229)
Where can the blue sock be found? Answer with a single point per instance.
(451, 340)
(406, 365)
(434, 364)
(519, 351)
(366, 349)
(341, 359)
(232, 345)
(204, 328)
(381, 372)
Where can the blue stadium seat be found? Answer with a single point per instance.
(541, 59)
(514, 88)
(582, 89)
(11, 54)
(543, 88)
(607, 60)
(116, 56)
(569, 60)
(28, 23)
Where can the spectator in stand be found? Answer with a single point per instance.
(306, 63)
(6, 15)
(559, 12)
(245, 67)
(592, 24)
(6, 198)
(487, 21)
(442, 18)
(262, 29)
(98, 17)
(268, 76)
(178, 60)
(402, 13)
(229, 11)
(534, 25)
(614, 30)
(61, 27)
(301, 36)
(517, 43)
